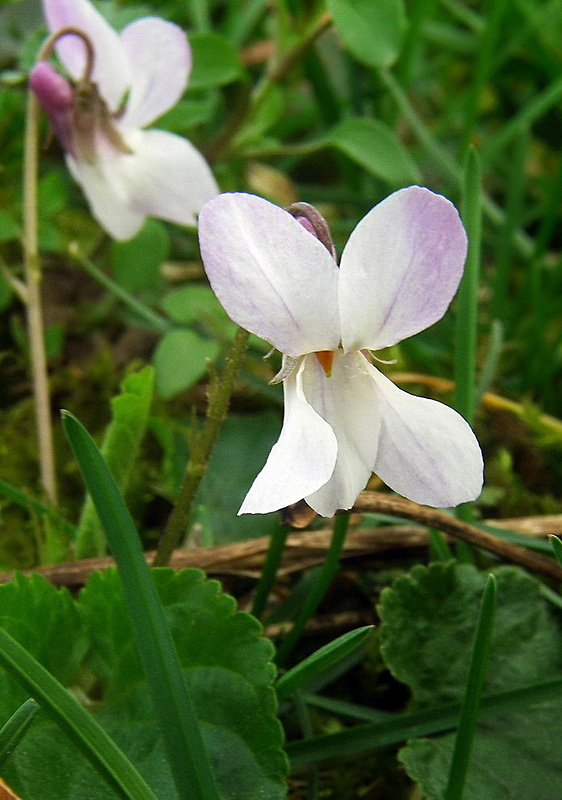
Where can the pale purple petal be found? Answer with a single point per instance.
(400, 269)
(107, 193)
(160, 60)
(111, 68)
(166, 177)
(302, 460)
(271, 275)
(347, 399)
(427, 452)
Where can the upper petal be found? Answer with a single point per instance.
(111, 67)
(300, 462)
(427, 452)
(160, 60)
(107, 194)
(271, 275)
(348, 401)
(166, 177)
(400, 268)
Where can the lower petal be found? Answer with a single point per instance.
(348, 401)
(427, 451)
(107, 195)
(302, 460)
(167, 177)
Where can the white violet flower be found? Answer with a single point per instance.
(120, 84)
(343, 418)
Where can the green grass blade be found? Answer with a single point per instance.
(557, 547)
(394, 729)
(13, 731)
(321, 660)
(471, 702)
(481, 67)
(325, 576)
(80, 726)
(36, 506)
(273, 557)
(188, 758)
(467, 311)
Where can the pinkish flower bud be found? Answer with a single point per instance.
(313, 221)
(56, 96)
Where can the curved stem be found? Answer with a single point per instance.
(35, 326)
(49, 44)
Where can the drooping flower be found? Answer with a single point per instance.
(120, 84)
(344, 419)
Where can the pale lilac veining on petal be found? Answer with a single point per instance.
(270, 274)
(399, 272)
(400, 268)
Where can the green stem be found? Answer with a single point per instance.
(325, 576)
(35, 326)
(155, 320)
(201, 446)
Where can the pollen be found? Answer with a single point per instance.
(325, 359)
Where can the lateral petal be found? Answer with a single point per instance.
(400, 269)
(160, 60)
(301, 461)
(348, 401)
(427, 452)
(111, 68)
(271, 275)
(166, 177)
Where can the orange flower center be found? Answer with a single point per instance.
(325, 359)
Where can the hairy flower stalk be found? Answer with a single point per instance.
(119, 84)
(343, 418)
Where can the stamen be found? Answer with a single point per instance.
(326, 360)
(287, 367)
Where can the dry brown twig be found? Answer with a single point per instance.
(305, 549)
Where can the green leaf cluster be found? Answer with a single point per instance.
(429, 618)
(88, 644)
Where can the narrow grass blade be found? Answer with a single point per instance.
(398, 728)
(467, 310)
(36, 506)
(13, 731)
(557, 547)
(271, 564)
(488, 371)
(321, 660)
(438, 548)
(471, 703)
(188, 758)
(325, 577)
(80, 726)
(481, 67)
